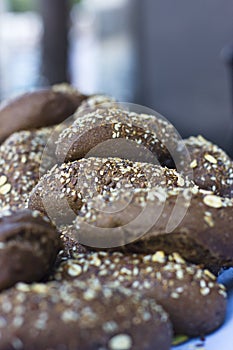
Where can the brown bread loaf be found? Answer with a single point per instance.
(29, 245)
(39, 108)
(148, 222)
(20, 166)
(62, 190)
(81, 315)
(194, 300)
(114, 132)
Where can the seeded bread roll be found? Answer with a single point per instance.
(148, 222)
(88, 104)
(81, 315)
(212, 168)
(113, 132)
(194, 300)
(20, 160)
(28, 247)
(38, 109)
(62, 190)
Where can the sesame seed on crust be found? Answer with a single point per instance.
(136, 220)
(152, 136)
(181, 288)
(81, 313)
(63, 190)
(212, 167)
(20, 158)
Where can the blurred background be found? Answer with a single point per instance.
(171, 56)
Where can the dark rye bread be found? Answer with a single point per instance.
(204, 234)
(29, 245)
(62, 191)
(194, 300)
(39, 108)
(20, 160)
(114, 132)
(91, 103)
(81, 315)
(87, 105)
(212, 167)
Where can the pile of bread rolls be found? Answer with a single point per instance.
(87, 259)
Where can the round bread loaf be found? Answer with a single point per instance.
(38, 109)
(204, 234)
(62, 191)
(113, 132)
(28, 247)
(212, 168)
(194, 300)
(81, 315)
(88, 104)
(20, 160)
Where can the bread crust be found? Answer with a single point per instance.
(38, 109)
(203, 236)
(63, 189)
(194, 300)
(101, 133)
(81, 315)
(29, 246)
(212, 167)
(20, 166)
